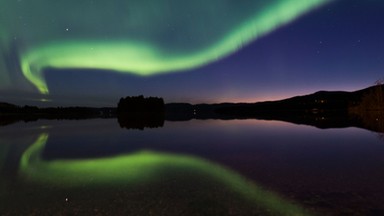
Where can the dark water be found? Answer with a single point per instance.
(197, 167)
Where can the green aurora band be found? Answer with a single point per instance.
(133, 36)
(142, 167)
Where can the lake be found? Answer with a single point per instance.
(196, 167)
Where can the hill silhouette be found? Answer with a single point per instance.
(322, 101)
(324, 109)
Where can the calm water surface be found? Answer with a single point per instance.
(197, 167)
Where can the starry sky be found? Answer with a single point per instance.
(94, 52)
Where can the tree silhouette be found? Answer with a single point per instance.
(138, 112)
(140, 104)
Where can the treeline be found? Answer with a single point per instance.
(140, 104)
(10, 113)
(57, 111)
(132, 112)
(371, 101)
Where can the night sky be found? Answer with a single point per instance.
(94, 52)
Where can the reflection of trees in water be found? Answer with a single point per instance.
(381, 136)
(373, 120)
(140, 120)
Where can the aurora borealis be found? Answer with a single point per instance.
(136, 44)
(144, 167)
(156, 40)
